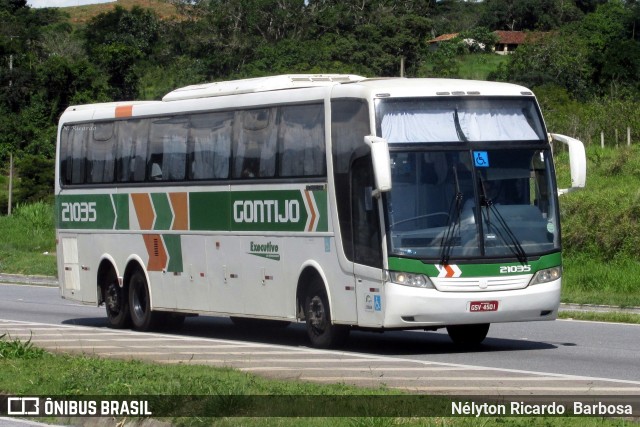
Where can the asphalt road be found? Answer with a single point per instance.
(589, 351)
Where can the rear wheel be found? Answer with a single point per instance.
(142, 318)
(322, 333)
(468, 335)
(116, 303)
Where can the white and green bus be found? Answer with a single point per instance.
(337, 200)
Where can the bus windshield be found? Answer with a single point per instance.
(457, 204)
(459, 120)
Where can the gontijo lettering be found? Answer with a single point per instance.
(257, 211)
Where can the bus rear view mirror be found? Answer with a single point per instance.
(577, 162)
(381, 162)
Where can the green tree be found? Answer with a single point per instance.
(481, 36)
(454, 16)
(518, 15)
(28, 116)
(614, 53)
(558, 59)
(36, 178)
(118, 41)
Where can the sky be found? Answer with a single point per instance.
(63, 3)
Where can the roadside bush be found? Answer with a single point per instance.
(18, 349)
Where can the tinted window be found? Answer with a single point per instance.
(133, 140)
(101, 154)
(167, 159)
(255, 136)
(286, 141)
(349, 126)
(302, 150)
(210, 142)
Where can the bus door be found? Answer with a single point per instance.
(367, 244)
(71, 272)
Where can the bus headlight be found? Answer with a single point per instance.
(411, 279)
(547, 275)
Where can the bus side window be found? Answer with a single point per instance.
(131, 150)
(210, 145)
(76, 154)
(302, 151)
(349, 125)
(367, 243)
(255, 139)
(101, 154)
(168, 149)
(65, 154)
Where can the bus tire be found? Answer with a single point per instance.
(142, 318)
(116, 303)
(468, 335)
(322, 333)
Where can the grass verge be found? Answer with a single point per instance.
(601, 317)
(588, 281)
(28, 241)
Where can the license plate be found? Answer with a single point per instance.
(478, 306)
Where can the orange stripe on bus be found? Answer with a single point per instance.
(124, 111)
(179, 203)
(144, 210)
(157, 254)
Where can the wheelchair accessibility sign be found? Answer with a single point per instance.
(377, 303)
(481, 159)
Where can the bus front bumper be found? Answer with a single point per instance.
(409, 307)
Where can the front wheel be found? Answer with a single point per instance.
(468, 335)
(142, 317)
(322, 333)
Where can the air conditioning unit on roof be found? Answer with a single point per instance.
(259, 84)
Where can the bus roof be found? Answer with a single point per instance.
(341, 85)
(259, 84)
(429, 87)
(375, 86)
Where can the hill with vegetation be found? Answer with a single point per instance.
(81, 15)
(584, 66)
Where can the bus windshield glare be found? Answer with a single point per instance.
(492, 200)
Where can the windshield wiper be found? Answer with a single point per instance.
(510, 239)
(447, 241)
(461, 136)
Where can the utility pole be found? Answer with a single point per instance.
(10, 182)
(11, 61)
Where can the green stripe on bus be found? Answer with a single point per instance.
(164, 215)
(121, 203)
(267, 210)
(209, 211)
(85, 212)
(173, 244)
(260, 211)
(474, 270)
(321, 201)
